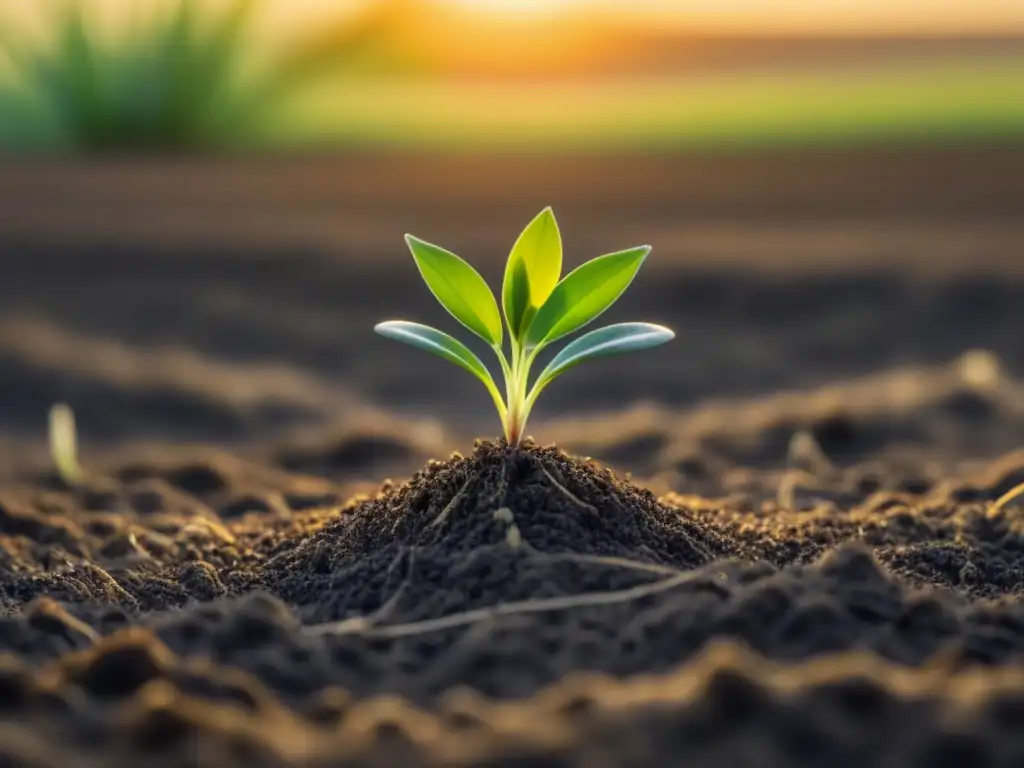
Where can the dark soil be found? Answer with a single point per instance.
(845, 634)
(786, 551)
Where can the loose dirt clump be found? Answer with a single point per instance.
(501, 525)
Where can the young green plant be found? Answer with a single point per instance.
(159, 75)
(539, 309)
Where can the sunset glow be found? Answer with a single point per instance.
(1003, 17)
(520, 9)
(777, 16)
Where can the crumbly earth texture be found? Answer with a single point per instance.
(519, 606)
(788, 549)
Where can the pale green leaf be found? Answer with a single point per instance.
(533, 269)
(64, 443)
(442, 345)
(515, 297)
(584, 294)
(459, 288)
(610, 340)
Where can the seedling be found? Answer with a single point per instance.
(539, 309)
(64, 444)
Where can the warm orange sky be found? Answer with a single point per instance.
(768, 16)
(885, 16)
(729, 16)
(517, 36)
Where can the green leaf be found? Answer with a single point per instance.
(533, 269)
(584, 294)
(442, 345)
(610, 340)
(459, 288)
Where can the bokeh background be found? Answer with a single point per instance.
(567, 74)
(202, 203)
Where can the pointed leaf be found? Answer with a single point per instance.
(584, 294)
(459, 288)
(533, 269)
(442, 345)
(610, 340)
(515, 296)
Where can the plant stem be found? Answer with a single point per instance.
(525, 401)
(507, 374)
(514, 429)
(518, 409)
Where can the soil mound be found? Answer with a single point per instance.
(503, 524)
(508, 606)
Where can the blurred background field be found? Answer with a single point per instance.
(202, 202)
(485, 74)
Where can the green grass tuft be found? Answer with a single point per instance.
(180, 77)
(168, 83)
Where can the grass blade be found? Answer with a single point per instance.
(64, 444)
(584, 294)
(610, 340)
(214, 63)
(444, 346)
(533, 269)
(459, 288)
